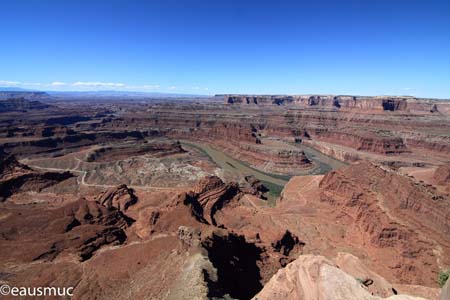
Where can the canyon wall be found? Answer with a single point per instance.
(366, 103)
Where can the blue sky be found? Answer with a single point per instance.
(360, 47)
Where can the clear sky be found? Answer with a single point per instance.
(396, 47)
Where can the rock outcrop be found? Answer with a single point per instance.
(155, 149)
(381, 143)
(5, 95)
(81, 228)
(394, 223)
(209, 196)
(312, 277)
(378, 103)
(382, 125)
(282, 161)
(120, 197)
(390, 212)
(73, 141)
(241, 260)
(252, 185)
(16, 177)
(20, 104)
(442, 176)
(9, 166)
(221, 239)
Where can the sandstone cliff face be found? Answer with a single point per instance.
(220, 239)
(312, 277)
(80, 227)
(48, 131)
(374, 143)
(283, 161)
(442, 176)
(20, 104)
(373, 130)
(30, 181)
(155, 149)
(9, 166)
(16, 177)
(381, 103)
(56, 143)
(362, 124)
(234, 257)
(384, 215)
(213, 241)
(391, 212)
(427, 143)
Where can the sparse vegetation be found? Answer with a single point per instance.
(274, 192)
(443, 277)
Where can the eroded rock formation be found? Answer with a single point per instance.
(390, 217)
(21, 104)
(120, 197)
(394, 212)
(209, 196)
(81, 227)
(15, 177)
(381, 103)
(219, 238)
(442, 176)
(312, 277)
(154, 149)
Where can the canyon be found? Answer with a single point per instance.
(226, 197)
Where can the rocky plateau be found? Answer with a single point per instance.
(310, 197)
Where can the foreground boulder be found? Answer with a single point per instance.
(315, 278)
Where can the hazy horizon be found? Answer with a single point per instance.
(150, 93)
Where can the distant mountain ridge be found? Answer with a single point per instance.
(14, 89)
(13, 92)
(117, 94)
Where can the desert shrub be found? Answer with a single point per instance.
(443, 276)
